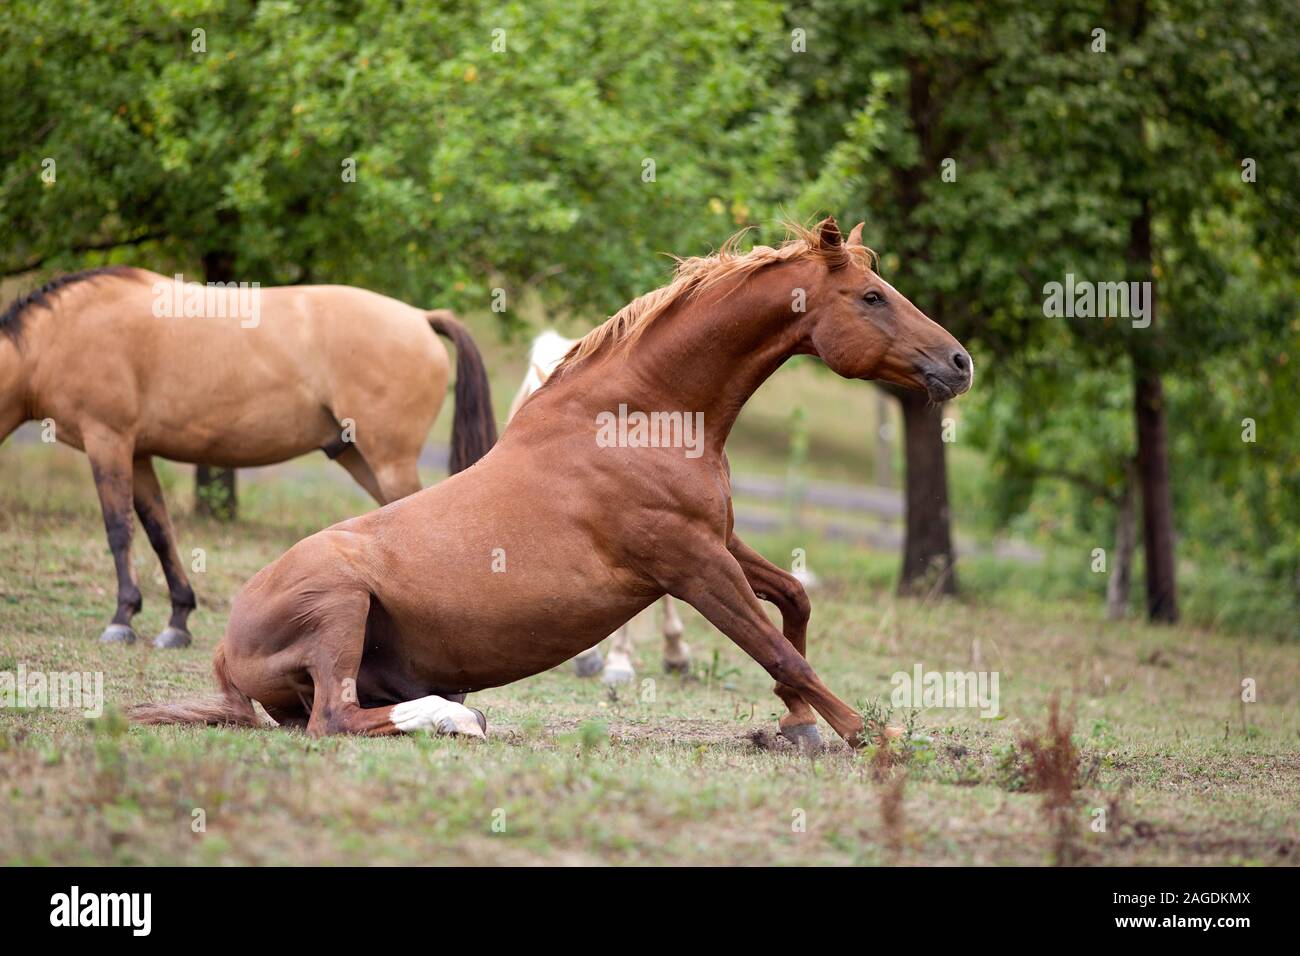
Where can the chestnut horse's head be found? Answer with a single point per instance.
(862, 327)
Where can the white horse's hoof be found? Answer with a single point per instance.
(588, 663)
(618, 669)
(438, 716)
(173, 637)
(118, 634)
(804, 736)
(681, 663)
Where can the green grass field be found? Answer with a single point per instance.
(684, 770)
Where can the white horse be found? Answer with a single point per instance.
(547, 351)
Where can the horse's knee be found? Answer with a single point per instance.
(792, 670)
(800, 606)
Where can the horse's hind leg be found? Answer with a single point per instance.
(398, 477)
(340, 638)
(357, 466)
(110, 463)
(152, 511)
(677, 653)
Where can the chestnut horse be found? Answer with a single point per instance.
(380, 624)
(544, 357)
(125, 364)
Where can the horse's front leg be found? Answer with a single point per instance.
(718, 589)
(774, 585)
(152, 512)
(110, 457)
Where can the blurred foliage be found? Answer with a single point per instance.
(1055, 146)
(474, 168)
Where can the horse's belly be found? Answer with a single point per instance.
(243, 438)
(474, 631)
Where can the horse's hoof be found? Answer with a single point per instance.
(439, 716)
(173, 637)
(804, 736)
(588, 663)
(482, 718)
(118, 634)
(617, 675)
(677, 667)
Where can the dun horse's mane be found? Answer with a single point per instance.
(698, 273)
(11, 319)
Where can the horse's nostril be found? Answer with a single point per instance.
(962, 361)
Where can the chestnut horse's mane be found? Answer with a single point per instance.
(698, 273)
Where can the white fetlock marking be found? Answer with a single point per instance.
(437, 715)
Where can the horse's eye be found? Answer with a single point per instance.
(873, 298)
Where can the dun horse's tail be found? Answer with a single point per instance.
(473, 426)
(231, 707)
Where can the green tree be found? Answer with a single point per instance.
(451, 154)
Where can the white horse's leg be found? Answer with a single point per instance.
(618, 666)
(677, 653)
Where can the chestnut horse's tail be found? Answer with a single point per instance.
(473, 425)
(231, 707)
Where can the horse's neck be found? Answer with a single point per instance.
(14, 380)
(705, 355)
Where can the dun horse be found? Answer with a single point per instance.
(380, 624)
(127, 364)
(547, 352)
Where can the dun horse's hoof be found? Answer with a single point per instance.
(118, 634)
(173, 637)
(804, 736)
(677, 667)
(588, 663)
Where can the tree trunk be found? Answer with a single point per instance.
(1157, 501)
(929, 564)
(216, 494)
(1152, 442)
(928, 557)
(1121, 572)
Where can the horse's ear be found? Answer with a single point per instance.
(828, 233)
(855, 237)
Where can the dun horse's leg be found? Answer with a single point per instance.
(677, 653)
(359, 469)
(397, 479)
(340, 635)
(152, 511)
(110, 464)
(772, 584)
(722, 594)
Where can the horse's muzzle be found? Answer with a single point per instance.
(947, 379)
